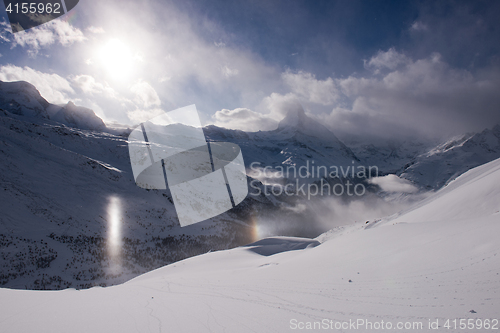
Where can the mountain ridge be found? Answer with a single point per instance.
(297, 140)
(23, 99)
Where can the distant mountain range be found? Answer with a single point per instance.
(299, 139)
(66, 178)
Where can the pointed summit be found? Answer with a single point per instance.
(298, 126)
(296, 121)
(79, 117)
(294, 118)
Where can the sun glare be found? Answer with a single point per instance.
(116, 58)
(114, 234)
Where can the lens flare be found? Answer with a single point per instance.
(114, 233)
(257, 232)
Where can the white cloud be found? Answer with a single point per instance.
(244, 119)
(90, 86)
(145, 94)
(56, 31)
(140, 116)
(95, 30)
(228, 72)
(419, 26)
(275, 106)
(52, 87)
(307, 87)
(146, 103)
(390, 59)
(279, 105)
(164, 79)
(392, 183)
(107, 103)
(5, 31)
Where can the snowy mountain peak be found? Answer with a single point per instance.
(80, 117)
(294, 118)
(297, 122)
(22, 98)
(301, 129)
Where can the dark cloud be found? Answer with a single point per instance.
(425, 97)
(465, 33)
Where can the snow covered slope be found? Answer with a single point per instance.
(62, 192)
(391, 275)
(434, 168)
(474, 194)
(389, 155)
(78, 116)
(428, 164)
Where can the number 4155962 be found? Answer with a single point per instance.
(32, 8)
(471, 324)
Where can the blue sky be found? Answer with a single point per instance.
(363, 68)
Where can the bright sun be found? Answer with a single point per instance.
(117, 59)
